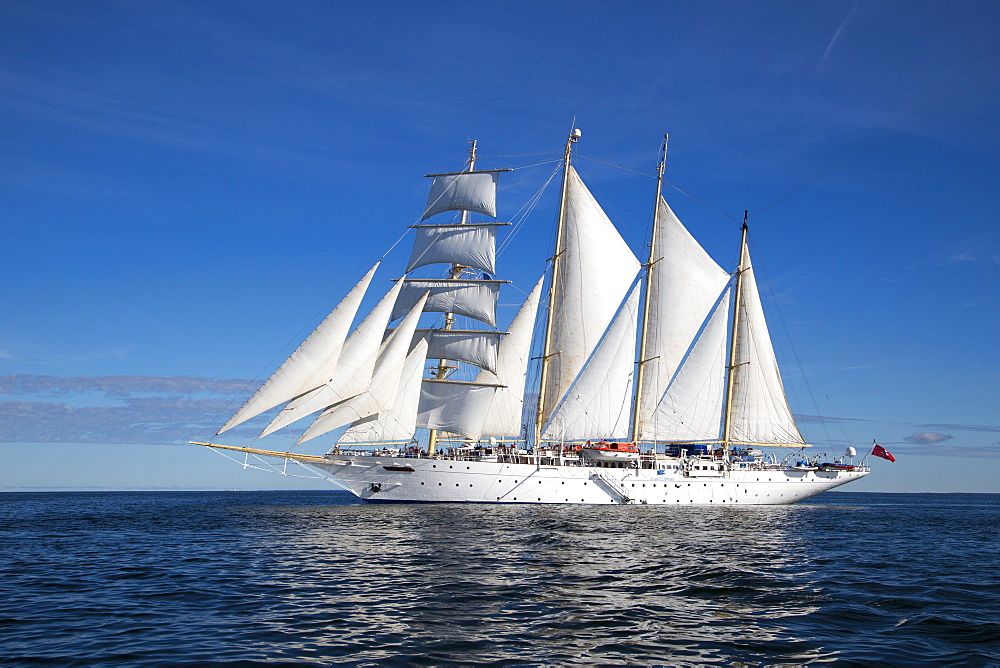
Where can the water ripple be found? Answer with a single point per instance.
(313, 578)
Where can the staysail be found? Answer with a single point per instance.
(597, 404)
(504, 416)
(691, 407)
(399, 422)
(382, 389)
(353, 372)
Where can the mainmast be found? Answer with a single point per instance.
(734, 344)
(648, 283)
(574, 136)
(449, 318)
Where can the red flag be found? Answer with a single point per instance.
(879, 451)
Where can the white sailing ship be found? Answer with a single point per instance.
(656, 382)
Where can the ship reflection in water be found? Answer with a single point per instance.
(546, 584)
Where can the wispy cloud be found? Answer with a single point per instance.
(145, 409)
(927, 437)
(119, 386)
(990, 429)
(836, 35)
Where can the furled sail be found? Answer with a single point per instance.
(596, 270)
(469, 245)
(354, 368)
(311, 363)
(760, 411)
(479, 348)
(384, 384)
(454, 406)
(464, 191)
(504, 417)
(691, 408)
(597, 405)
(399, 422)
(473, 298)
(685, 284)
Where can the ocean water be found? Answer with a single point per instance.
(316, 578)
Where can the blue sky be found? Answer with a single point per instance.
(186, 186)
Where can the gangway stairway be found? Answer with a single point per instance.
(615, 485)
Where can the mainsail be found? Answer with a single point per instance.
(596, 270)
(760, 411)
(685, 284)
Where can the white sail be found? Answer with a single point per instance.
(473, 298)
(684, 285)
(691, 408)
(596, 269)
(384, 384)
(504, 417)
(472, 347)
(468, 191)
(597, 405)
(454, 406)
(467, 245)
(760, 411)
(399, 422)
(314, 360)
(353, 372)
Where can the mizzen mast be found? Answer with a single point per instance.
(727, 423)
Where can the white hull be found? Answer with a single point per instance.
(458, 481)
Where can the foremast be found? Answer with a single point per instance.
(444, 367)
(573, 137)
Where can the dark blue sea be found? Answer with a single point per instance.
(122, 578)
